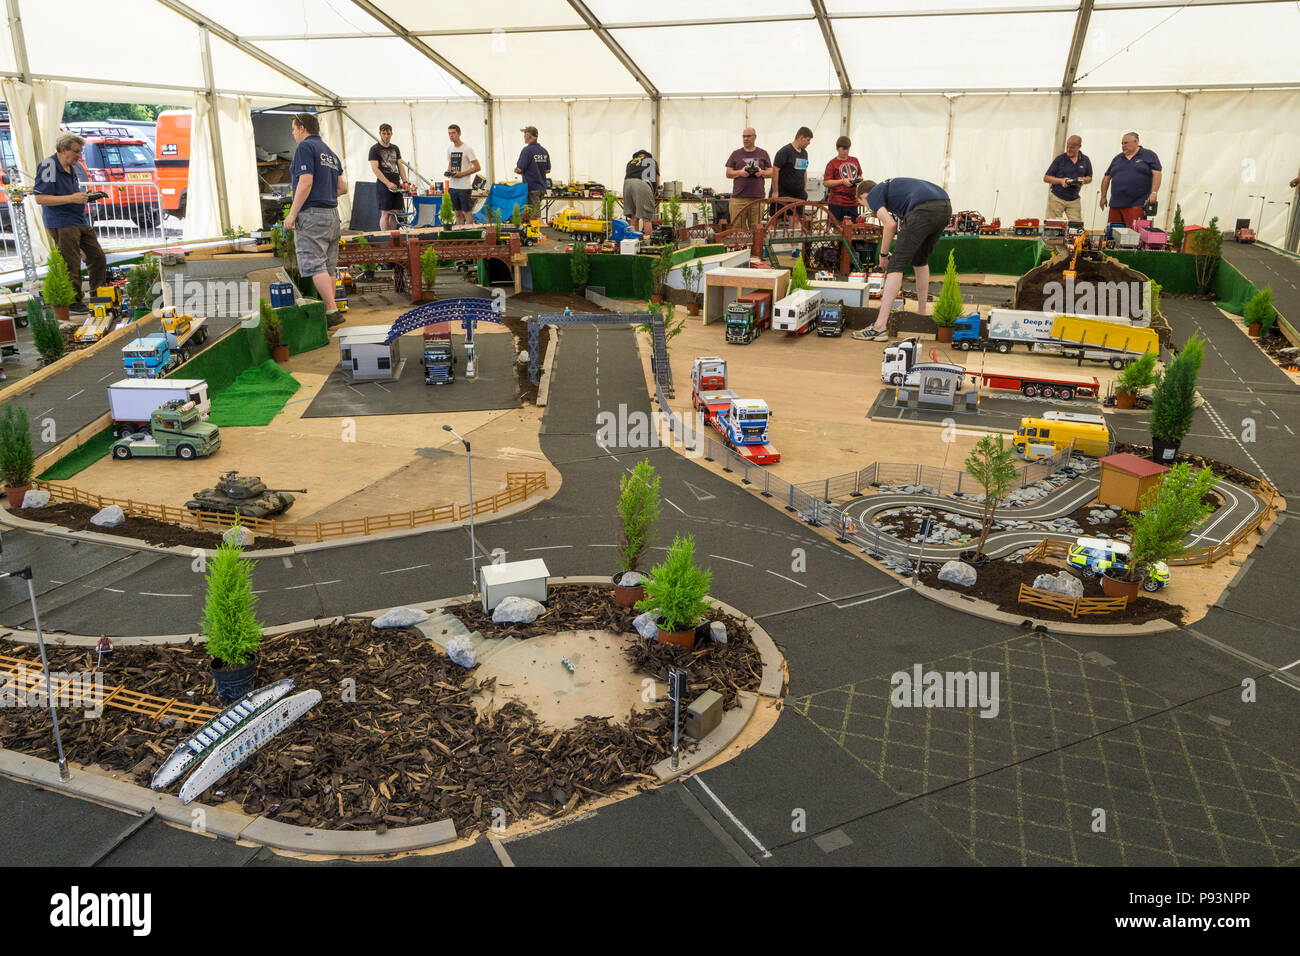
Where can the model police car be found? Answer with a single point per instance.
(1092, 556)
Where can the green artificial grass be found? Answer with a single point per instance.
(254, 398)
(81, 458)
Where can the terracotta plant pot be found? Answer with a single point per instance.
(15, 495)
(1254, 329)
(683, 639)
(1124, 399)
(943, 332)
(656, 299)
(281, 354)
(1114, 587)
(61, 312)
(627, 597)
(693, 308)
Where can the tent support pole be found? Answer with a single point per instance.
(24, 73)
(214, 130)
(1171, 203)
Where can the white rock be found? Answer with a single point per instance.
(1062, 583)
(630, 579)
(516, 610)
(400, 617)
(460, 650)
(645, 625)
(718, 632)
(238, 534)
(109, 517)
(523, 357)
(36, 498)
(957, 572)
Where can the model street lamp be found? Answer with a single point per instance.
(469, 471)
(1206, 217)
(26, 575)
(1259, 223)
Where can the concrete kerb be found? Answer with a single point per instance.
(283, 836)
(544, 382)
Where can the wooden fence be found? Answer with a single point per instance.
(1075, 605)
(519, 486)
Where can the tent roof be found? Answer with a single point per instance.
(338, 49)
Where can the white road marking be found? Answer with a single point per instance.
(554, 547)
(52, 581)
(162, 594)
(46, 412)
(602, 546)
(870, 599)
(74, 394)
(784, 578)
(414, 567)
(732, 817)
(114, 590)
(669, 500)
(499, 848)
(323, 583)
(109, 375)
(287, 562)
(721, 557)
(298, 587)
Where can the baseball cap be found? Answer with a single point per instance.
(530, 130)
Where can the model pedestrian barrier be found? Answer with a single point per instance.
(519, 487)
(1073, 605)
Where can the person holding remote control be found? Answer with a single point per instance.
(63, 200)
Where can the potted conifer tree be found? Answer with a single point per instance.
(675, 594)
(429, 266)
(16, 459)
(638, 510)
(692, 276)
(57, 288)
(446, 214)
(1259, 314)
(139, 285)
(1173, 404)
(799, 275)
(273, 332)
(230, 630)
(949, 306)
(1135, 377)
(46, 334)
(579, 267)
(659, 273)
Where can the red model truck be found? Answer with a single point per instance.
(741, 422)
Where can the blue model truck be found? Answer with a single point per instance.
(156, 354)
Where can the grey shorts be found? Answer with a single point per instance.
(638, 199)
(316, 240)
(922, 228)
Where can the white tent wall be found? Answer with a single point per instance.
(605, 135)
(419, 131)
(696, 135)
(202, 214)
(1235, 148)
(551, 117)
(335, 130)
(235, 125)
(1001, 146)
(900, 135)
(776, 119)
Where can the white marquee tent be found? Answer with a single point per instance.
(977, 96)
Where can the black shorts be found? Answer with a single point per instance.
(387, 200)
(462, 200)
(921, 230)
(777, 207)
(840, 212)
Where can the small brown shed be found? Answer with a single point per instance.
(1125, 480)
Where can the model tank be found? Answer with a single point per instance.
(248, 495)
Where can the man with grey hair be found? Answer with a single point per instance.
(1135, 171)
(747, 167)
(63, 200)
(1067, 173)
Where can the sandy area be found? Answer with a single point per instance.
(603, 682)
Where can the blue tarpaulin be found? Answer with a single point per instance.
(503, 199)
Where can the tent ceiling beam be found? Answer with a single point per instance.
(255, 52)
(832, 46)
(1071, 71)
(169, 87)
(421, 47)
(629, 64)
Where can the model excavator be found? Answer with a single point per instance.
(1083, 246)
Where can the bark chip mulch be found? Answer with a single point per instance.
(76, 517)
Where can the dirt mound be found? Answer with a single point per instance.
(1031, 291)
(75, 517)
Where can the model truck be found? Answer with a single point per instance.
(1026, 227)
(439, 357)
(748, 316)
(796, 313)
(176, 430)
(897, 368)
(156, 354)
(1044, 436)
(580, 226)
(741, 422)
(1097, 338)
(105, 306)
(133, 401)
(830, 319)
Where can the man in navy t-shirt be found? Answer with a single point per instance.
(926, 210)
(318, 182)
(534, 166)
(63, 200)
(1067, 173)
(1135, 173)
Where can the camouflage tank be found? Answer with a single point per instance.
(243, 495)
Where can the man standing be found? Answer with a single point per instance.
(791, 165)
(390, 178)
(462, 165)
(639, 182)
(318, 182)
(747, 167)
(1067, 173)
(927, 209)
(1136, 174)
(841, 179)
(59, 191)
(533, 166)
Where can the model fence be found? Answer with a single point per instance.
(1073, 605)
(519, 487)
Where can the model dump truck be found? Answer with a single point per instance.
(741, 422)
(830, 318)
(439, 359)
(1098, 338)
(1052, 432)
(132, 401)
(176, 430)
(580, 226)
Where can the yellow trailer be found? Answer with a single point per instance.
(1101, 334)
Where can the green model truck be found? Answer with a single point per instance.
(178, 431)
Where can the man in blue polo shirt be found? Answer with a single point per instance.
(925, 209)
(534, 166)
(318, 182)
(63, 199)
(1067, 173)
(1135, 172)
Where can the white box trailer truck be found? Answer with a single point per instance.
(132, 400)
